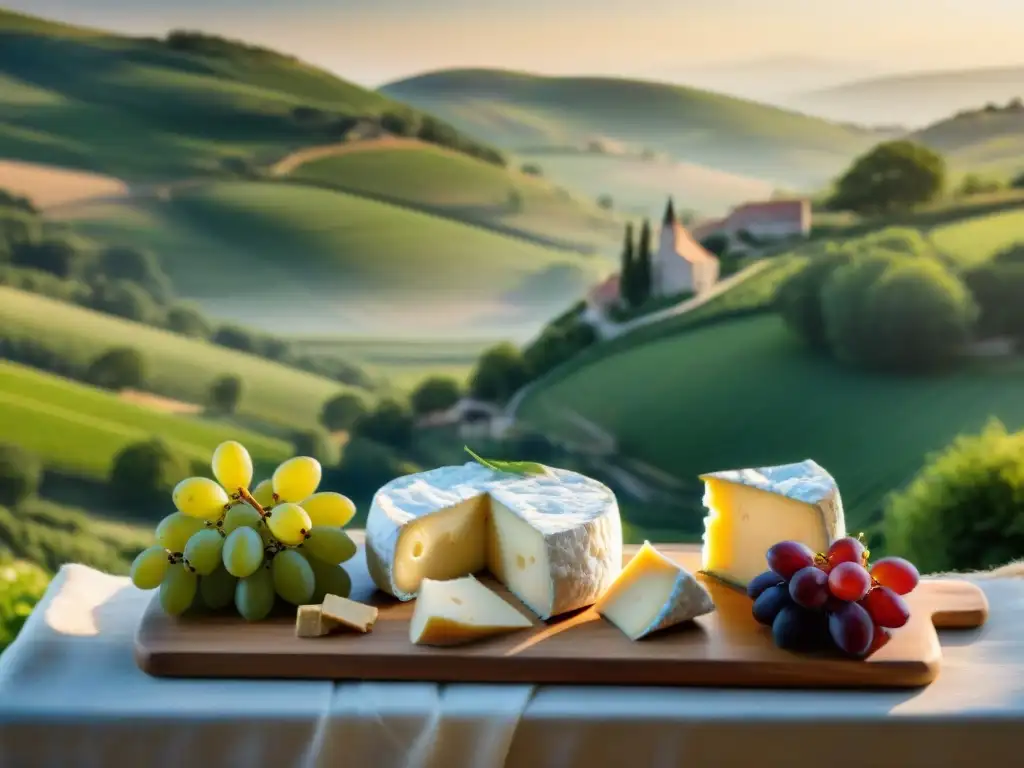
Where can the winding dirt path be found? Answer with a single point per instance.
(289, 163)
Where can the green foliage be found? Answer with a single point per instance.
(974, 184)
(58, 256)
(1012, 254)
(20, 475)
(894, 176)
(315, 443)
(799, 298)
(226, 393)
(17, 202)
(716, 244)
(965, 509)
(437, 393)
(137, 266)
(499, 373)
(556, 344)
(367, 465)
(628, 286)
(143, 473)
(905, 241)
(389, 423)
(644, 275)
(342, 411)
(998, 289)
(188, 321)
(123, 298)
(22, 585)
(118, 368)
(890, 313)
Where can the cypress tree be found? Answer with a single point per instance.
(642, 269)
(627, 277)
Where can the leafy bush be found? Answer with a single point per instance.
(436, 393)
(20, 475)
(22, 584)
(226, 393)
(188, 321)
(919, 319)
(389, 423)
(998, 289)
(500, 371)
(367, 465)
(893, 176)
(119, 368)
(144, 473)
(799, 298)
(342, 411)
(965, 509)
(844, 297)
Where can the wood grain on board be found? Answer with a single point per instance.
(724, 649)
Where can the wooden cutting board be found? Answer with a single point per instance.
(724, 649)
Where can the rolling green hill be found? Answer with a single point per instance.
(519, 111)
(462, 187)
(306, 260)
(77, 429)
(980, 140)
(177, 366)
(143, 108)
(743, 393)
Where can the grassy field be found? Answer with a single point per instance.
(78, 429)
(138, 108)
(179, 367)
(308, 260)
(465, 188)
(521, 110)
(976, 240)
(743, 394)
(404, 362)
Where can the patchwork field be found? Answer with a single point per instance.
(79, 430)
(178, 366)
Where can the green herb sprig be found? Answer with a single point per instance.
(514, 467)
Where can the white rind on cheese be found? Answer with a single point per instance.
(653, 593)
(752, 509)
(459, 611)
(554, 540)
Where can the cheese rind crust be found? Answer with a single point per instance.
(555, 540)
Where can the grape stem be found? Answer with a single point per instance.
(247, 497)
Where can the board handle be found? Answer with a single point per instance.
(958, 604)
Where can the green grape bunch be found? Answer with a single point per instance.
(283, 541)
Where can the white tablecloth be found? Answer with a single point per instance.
(71, 695)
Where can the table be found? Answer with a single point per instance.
(71, 695)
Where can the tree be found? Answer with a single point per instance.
(1012, 254)
(799, 299)
(997, 288)
(58, 256)
(126, 299)
(226, 393)
(390, 423)
(605, 202)
(627, 273)
(716, 244)
(894, 176)
(188, 321)
(342, 411)
(138, 266)
(233, 337)
(532, 169)
(118, 368)
(20, 475)
(965, 509)
(499, 373)
(437, 393)
(919, 318)
(898, 314)
(144, 473)
(643, 264)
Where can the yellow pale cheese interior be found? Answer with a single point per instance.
(340, 611)
(459, 611)
(637, 596)
(308, 622)
(744, 522)
(474, 535)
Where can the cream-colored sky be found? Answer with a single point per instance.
(375, 40)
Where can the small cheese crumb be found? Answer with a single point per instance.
(308, 622)
(342, 612)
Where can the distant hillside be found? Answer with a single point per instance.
(986, 139)
(517, 110)
(914, 99)
(188, 104)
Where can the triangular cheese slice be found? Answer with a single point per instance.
(653, 593)
(459, 611)
(342, 612)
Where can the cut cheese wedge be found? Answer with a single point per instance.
(750, 510)
(349, 614)
(459, 611)
(653, 593)
(308, 622)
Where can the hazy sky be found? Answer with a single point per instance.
(372, 41)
